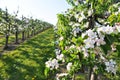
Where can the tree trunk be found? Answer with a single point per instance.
(23, 35)
(28, 34)
(16, 37)
(89, 73)
(92, 75)
(82, 66)
(6, 42)
(32, 32)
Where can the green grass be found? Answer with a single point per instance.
(27, 61)
(11, 40)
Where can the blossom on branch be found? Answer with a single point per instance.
(60, 57)
(52, 64)
(111, 66)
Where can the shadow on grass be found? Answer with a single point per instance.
(27, 62)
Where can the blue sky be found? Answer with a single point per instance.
(41, 9)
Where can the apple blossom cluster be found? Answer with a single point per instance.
(52, 64)
(98, 36)
(111, 66)
(92, 39)
(106, 29)
(59, 56)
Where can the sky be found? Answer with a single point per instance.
(45, 10)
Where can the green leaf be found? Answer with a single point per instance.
(79, 41)
(74, 40)
(112, 19)
(46, 71)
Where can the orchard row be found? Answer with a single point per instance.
(12, 25)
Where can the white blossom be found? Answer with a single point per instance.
(82, 17)
(52, 64)
(86, 24)
(61, 38)
(102, 57)
(89, 43)
(109, 29)
(101, 29)
(57, 51)
(76, 24)
(111, 66)
(116, 13)
(55, 63)
(93, 37)
(69, 65)
(83, 35)
(101, 35)
(60, 57)
(100, 42)
(91, 34)
(90, 12)
(106, 29)
(71, 23)
(82, 14)
(77, 16)
(49, 64)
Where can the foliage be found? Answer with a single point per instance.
(88, 35)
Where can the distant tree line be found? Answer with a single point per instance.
(11, 25)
